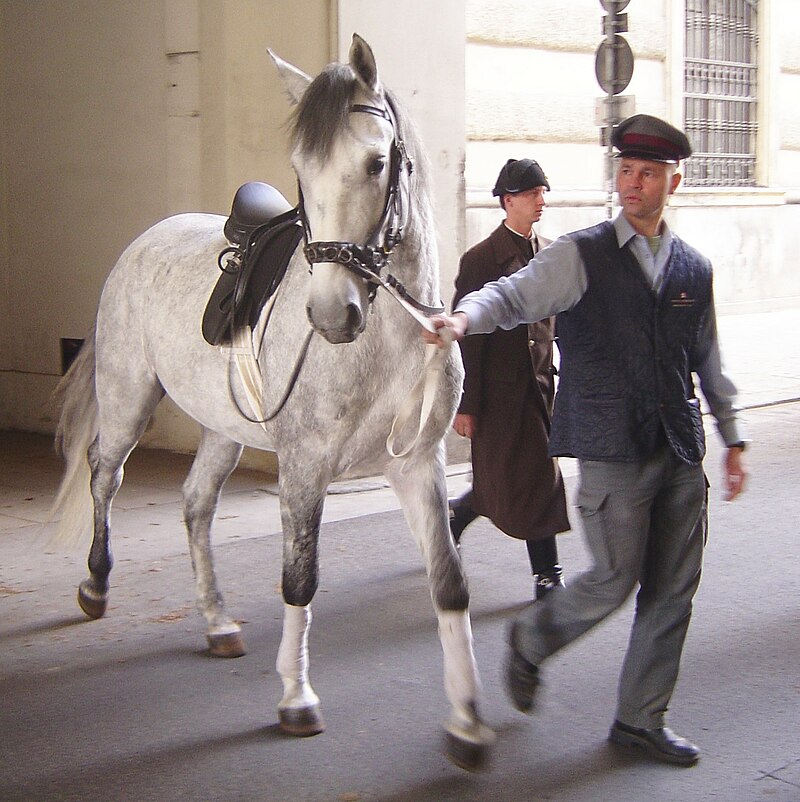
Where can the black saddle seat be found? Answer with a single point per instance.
(264, 230)
(254, 204)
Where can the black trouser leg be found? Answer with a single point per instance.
(543, 555)
(461, 513)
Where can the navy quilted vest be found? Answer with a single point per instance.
(627, 355)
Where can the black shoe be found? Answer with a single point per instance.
(522, 677)
(547, 582)
(461, 516)
(661, 743)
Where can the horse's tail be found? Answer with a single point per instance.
(77, 429)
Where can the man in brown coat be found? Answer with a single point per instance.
(508, 393)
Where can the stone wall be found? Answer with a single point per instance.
(531, 91)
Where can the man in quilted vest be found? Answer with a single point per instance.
(635, 324)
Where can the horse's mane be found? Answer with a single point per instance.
(322, 113)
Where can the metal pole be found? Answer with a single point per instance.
(615, 68)
(609, 167)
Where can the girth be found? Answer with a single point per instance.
(264, 231)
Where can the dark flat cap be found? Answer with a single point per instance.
(646, 137)
(518, 175)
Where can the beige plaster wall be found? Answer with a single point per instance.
(117, 114)
(84, 171)
(532, 92)
(232, 125)
(789, 87)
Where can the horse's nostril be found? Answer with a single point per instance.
(355, 318)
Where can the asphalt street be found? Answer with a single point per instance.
(131, 707)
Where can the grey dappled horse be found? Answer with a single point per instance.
(353, 149)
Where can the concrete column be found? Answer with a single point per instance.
(419, 47)
(182, 49)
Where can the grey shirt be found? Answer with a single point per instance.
(555, 280)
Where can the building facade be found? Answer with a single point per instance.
(722, 69)
(116, 115)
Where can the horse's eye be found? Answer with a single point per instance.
(375, 166)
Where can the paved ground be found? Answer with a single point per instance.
(131, 708)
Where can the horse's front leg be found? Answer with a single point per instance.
(301, 513)
(419, 482)
(216, 458)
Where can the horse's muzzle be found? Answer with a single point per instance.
(344, 331)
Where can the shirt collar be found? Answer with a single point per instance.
(530, 237)
(626, 232)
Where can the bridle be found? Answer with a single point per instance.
(368, 260)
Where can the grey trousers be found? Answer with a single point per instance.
(644, 523)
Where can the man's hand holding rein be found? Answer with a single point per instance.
(456, 324)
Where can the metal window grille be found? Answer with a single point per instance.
(720, 86)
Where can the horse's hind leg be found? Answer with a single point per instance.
(117, 436)
(216, 458)
(106, 478)
(420, 485)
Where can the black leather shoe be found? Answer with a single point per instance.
(547, 582)
(522, 677)
(661, 743)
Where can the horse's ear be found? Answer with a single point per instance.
(362, 61)
(295, 81)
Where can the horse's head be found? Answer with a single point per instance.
(346, 157)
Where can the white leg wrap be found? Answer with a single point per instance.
(461, 681)
(292, 662)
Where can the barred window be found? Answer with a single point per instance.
(720, 86)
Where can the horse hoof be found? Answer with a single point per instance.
(301, 721)
(467, 755)
(468, 744)
(229, 644)
(92, 603)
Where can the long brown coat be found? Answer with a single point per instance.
(509, 388)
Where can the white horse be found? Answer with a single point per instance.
(352, 150)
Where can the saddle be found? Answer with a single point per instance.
(263, 231)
